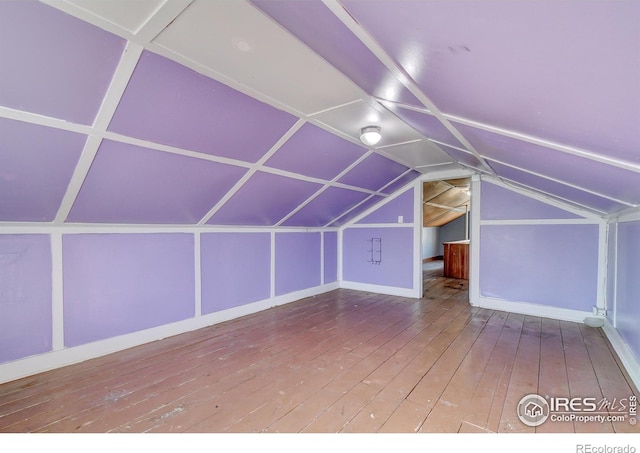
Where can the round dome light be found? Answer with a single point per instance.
(370, 135)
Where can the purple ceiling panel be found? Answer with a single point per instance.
(373, 173)
(595, 176)
(36, 165)
(326, 207)
(264, 200)
(565, 71)
(427, 125)
(130, 184)
(500, 204)
(315, 152)
(168, 103)
(316, 26)
(54, 64)
(551, 187)
(463, 157)
(389, 212)
(358, 210)
(400, 182)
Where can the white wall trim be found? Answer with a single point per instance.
(322, 258)
(57, 293)
(542, 222)
(340, 241)
(474, 263)
(380, 289)
(417, 238)
(48, 361)
(197, 254)
(614, 276)
(526, 308)
(382, 225)
(630, 215)
(628, 359)
(272, 265)
(603, 251)
(101, 228)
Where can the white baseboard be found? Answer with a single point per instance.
(525, 308)
(390, 290)
(628, 359)
(55, 359)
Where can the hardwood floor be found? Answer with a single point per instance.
(344, 361)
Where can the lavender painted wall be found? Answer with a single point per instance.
(330, 256)
(389, 212)
(116, 284)
(25, 296)
(235, 269)
(297, 262)
(396, 265)
(537, 260)
(628, 285)
(553, 265)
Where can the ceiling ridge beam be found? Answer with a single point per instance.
(343, 15)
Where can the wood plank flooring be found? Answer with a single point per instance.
(344, 361)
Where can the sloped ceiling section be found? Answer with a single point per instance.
(445, 201)
(238, 113)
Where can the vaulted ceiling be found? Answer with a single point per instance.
(231, 112)
(445, 201)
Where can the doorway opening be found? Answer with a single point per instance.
(446, 226)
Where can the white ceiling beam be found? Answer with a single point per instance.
(341, 13)
(123, 73)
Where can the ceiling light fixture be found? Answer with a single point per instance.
(370, 135)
